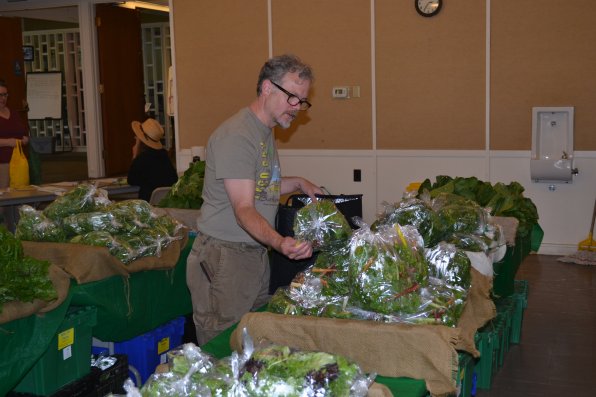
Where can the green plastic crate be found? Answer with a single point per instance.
(504, 272)
(68, 357)
(506, 269)
(465, 375)
(485, 340)
(520, 298)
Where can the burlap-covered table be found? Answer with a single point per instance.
(426, 352)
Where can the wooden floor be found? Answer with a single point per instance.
(557, 353)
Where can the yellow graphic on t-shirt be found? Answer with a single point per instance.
(268, 178)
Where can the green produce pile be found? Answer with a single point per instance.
(187, 191)
(22, 278)
(500, 199)
(271, 371)
(381, 275)
(413, 264)
(129, 228)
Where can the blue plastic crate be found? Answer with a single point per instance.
(145, 352)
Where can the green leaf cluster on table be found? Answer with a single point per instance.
(187, 192)
(501, 199)
(22, 278)
(129, 228)
(271, 371)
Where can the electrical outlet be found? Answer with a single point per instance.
(357, 175)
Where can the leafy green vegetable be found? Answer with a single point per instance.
(298, 371)
(22, 278)
(500, 199)
(414, 212)
(35, 226)
(386, 272)
(321, 223)
(272, 371)
(187, 191)
(83, 198)
(128, 228)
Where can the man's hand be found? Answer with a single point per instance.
(295, 249)
(290, 184)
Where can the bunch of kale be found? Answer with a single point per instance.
(22, 278)
(129, 229)
(187, 191)
(500, 199)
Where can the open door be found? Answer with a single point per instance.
(121, 79)
(12, 69)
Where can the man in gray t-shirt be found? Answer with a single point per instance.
(228, 267)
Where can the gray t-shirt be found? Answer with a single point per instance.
(242, 147)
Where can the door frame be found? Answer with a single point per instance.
(88, 34)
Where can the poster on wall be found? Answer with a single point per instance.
(44, 95)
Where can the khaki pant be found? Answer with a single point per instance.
(226, 280)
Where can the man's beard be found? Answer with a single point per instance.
(283, 123)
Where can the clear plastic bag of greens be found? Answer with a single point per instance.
(134, 215)
(85, 222)
(280, 370)
(188, 364)
(83, 198)
(415, 212)
(321, 223)
(117, 246)
(33, 225)
(387, 268)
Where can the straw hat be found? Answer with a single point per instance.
(149, 132)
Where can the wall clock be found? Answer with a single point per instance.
(428, 8)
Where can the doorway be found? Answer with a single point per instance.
(55, 41)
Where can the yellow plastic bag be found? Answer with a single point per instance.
(18, 168)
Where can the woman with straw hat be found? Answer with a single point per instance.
(151, 165)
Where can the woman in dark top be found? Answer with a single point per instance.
(151, 165)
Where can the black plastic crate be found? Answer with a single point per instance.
(112, 379)
(97, 383)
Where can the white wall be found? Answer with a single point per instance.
(565, 212)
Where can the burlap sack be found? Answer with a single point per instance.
(187, 217)
(87, 263)
(396, 350)
(479, 309)
(379, 390)
(15, 310)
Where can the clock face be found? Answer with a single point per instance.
(428, 8)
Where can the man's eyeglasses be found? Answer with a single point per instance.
(293, 99)
(4, 94)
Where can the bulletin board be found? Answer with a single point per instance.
(44, 95)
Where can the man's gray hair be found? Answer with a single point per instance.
(277, 67)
